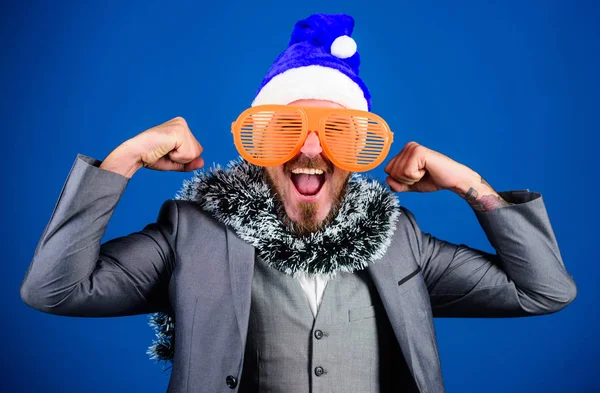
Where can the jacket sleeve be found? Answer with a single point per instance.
(526, 275)
(73, 274)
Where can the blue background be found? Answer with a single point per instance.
(509, 89)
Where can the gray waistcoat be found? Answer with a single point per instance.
(348, 347)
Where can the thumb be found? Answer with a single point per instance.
(397, 186)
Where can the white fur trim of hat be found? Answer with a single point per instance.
(312, 82)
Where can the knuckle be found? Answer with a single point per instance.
(188, 152)
(406, 172)
(419, 149)
(179, 120)
(178, 124)
(188, 155)
(414, 145)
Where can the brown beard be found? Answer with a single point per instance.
(308, 223)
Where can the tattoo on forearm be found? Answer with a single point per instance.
(484, 203)
(471, 196)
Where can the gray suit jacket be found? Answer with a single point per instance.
(190, 264)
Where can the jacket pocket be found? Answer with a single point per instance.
(366, 312)
(408, 281)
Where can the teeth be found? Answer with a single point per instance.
(307, 171)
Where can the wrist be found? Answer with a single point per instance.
(480, 195)
(124, 160)
(471, 181)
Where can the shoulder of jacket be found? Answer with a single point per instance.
(406, 217)
(192, 211)
(407, 226)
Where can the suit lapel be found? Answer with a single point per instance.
(398, 279)
(241, 269)
(385, 274)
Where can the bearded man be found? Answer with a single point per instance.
(287, 271)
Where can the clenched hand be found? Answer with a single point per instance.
(170, 146)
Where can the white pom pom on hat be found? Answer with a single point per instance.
(343, 47)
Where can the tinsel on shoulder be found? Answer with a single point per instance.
(238, 197)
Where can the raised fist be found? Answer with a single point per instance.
(170, 146)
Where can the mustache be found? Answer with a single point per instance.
(303, 161)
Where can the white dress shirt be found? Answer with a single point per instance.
(313, 286)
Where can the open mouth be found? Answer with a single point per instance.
(308, 182)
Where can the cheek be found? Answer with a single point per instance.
(337, 181)
(277, 177)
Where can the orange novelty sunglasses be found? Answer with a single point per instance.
(354, 140)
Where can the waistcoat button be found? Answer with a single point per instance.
(319, 371)
(231, 381)
(318, 334)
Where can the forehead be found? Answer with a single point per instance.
(316, 103)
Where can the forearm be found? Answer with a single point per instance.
(528, 251)
(479, 194)
(526, 276)
(124, 160)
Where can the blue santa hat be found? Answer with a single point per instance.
(321, 62)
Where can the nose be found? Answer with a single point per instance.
(312, 146)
